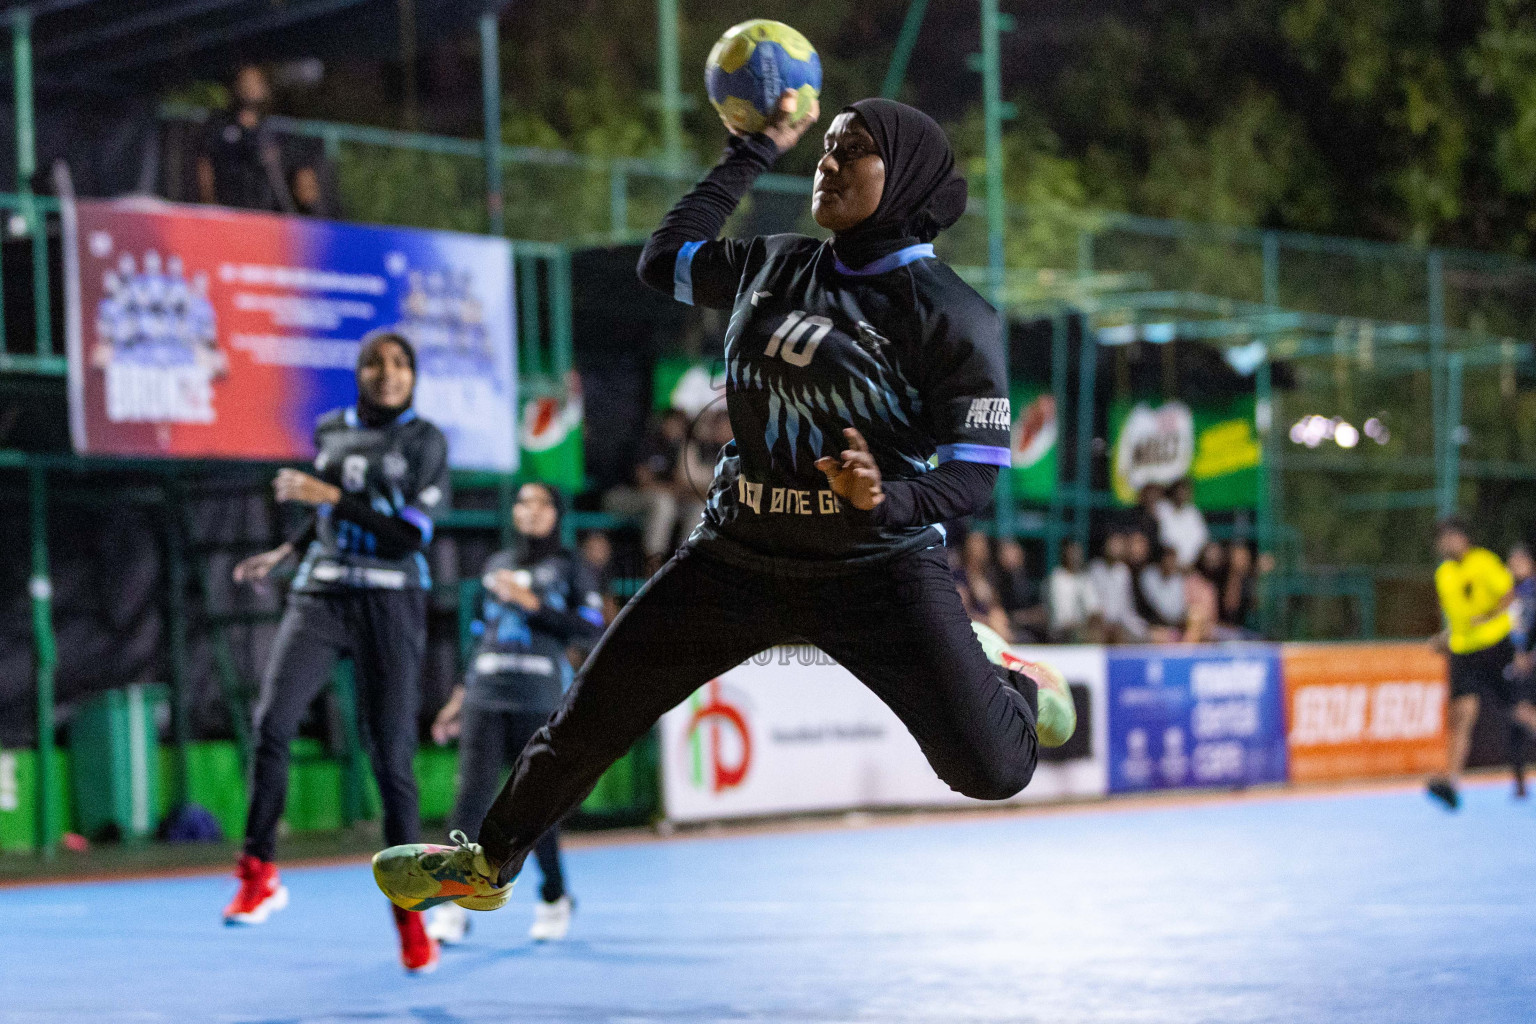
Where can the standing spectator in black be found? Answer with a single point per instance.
(1143, 518)
(240, 162)
(1019, 594)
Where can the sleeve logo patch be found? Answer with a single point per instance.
(986, 414)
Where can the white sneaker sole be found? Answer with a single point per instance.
(265, 909)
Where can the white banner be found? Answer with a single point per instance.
(792, 731)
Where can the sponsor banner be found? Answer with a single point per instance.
(792, 731)
(1216, 446)
(1181, 717)
(551, 433)
(681, 382)
(201, 332)
(1362, 710)
(1035, 448)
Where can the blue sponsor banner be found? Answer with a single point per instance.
(1203, 716)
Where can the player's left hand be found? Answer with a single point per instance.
(294, 485)
(853, 475)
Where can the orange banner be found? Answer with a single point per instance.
(1364, 710)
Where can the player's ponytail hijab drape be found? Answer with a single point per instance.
(924, 194)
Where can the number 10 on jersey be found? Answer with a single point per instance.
(796, 339)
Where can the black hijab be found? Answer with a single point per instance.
(370, 414)
(923, 192)
(531, 550)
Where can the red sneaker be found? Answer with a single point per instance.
(418, 950)
(260, 892)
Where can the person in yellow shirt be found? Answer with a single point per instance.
(1475, 590)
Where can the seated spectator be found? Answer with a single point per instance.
(1020, 595)
(1201, 602)
(1138, 555)
(1074, 605)
(978, 584)
(239, 161)
(653, 497)
(1180, 525)
(1238, 587)
(1162, 589)
(696, 467)
(1115, 591)
(597, 553)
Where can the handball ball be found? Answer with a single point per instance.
(752, 65)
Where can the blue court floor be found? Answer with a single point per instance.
(1330, 908)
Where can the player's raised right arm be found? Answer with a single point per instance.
(682, 257)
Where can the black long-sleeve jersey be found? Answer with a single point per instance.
(901, 349)
(519, 661)
(394, 484)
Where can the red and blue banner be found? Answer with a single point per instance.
(202, 332)
(1195, 716)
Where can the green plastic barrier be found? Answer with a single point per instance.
(113, 743)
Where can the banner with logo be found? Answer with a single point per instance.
(1216, 446)
(201, 332)
(1036, 436)
(1209, 717)
(1363, 710)
(686, 383)
(551, 433)
(792, 731)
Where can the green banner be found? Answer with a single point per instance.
(1036, 443)
(1215, 445)
(551, 437)
(686, 383)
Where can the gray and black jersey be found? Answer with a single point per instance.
(397, 472)
(519, 661)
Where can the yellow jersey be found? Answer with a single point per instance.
(1470, 589)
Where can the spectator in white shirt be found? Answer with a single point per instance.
(1074, 605)
(1162, 588)
(1113, 587)
(1180, 525)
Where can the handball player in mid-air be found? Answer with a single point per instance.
(852, 365)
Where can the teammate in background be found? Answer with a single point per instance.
(380, 479)
(540, 600)
(848, 363)
(1475, 591)
(1522, 617)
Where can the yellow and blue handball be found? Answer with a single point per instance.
(751, 66)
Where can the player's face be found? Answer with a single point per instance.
(850, 177)
(1452, 544)
(386, 378)
(533, 514)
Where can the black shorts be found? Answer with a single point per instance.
(1482, 674)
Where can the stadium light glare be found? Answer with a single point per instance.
(1345, 435)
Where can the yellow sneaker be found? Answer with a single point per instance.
(1057, 718)
(418, 876)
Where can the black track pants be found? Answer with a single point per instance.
(490, 741)
(899, 628)
(385, 634)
